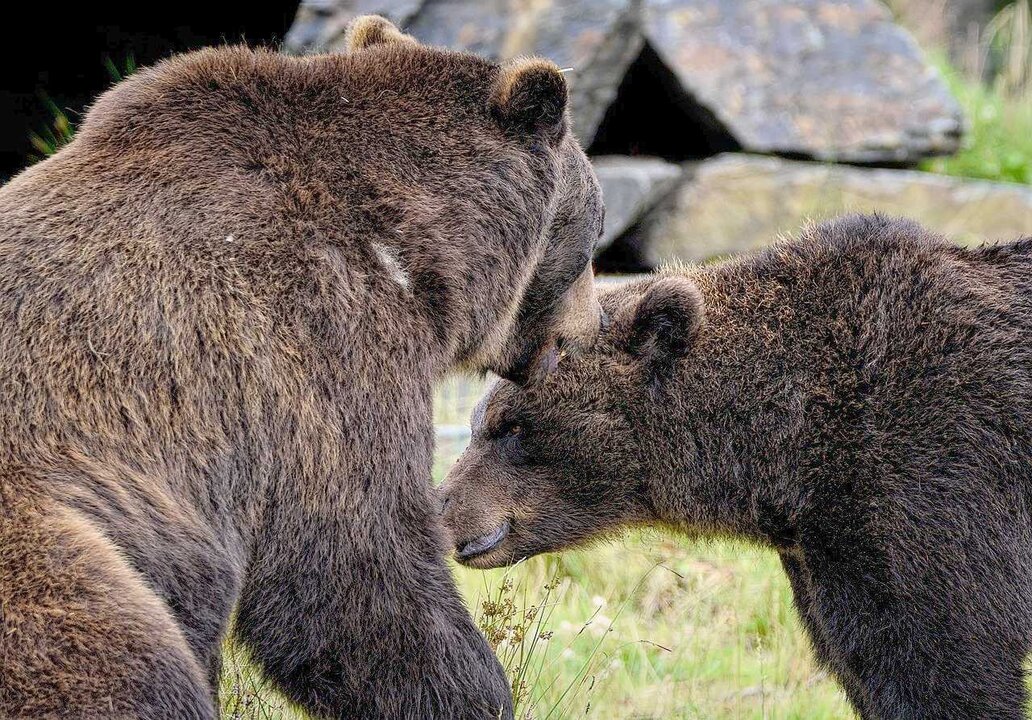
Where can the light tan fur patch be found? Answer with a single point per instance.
(369, 30)
(512, 72)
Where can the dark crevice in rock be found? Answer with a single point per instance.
(628, 254)
(653, 115)
(625, 256)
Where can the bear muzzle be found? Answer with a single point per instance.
(468, 550)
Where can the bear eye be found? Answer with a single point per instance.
(511, 442)
(509, 431)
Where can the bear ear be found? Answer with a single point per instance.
(529, 98)
(366, 31)
(666, 320)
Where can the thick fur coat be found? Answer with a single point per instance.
(859, 400)
(223, 308)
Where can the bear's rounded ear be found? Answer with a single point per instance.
(365, 31)
(529, 98)
(666, 320)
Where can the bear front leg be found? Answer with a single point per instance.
(352, 610)
(803, 595)
(912, 656)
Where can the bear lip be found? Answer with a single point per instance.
(484, 543)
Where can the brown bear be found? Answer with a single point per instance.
(223, 308)
(859, 400)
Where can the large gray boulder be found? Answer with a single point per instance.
(829, 79)
(735, 203)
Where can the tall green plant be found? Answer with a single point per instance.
(57, 133)
(60, 130)
(999, 138)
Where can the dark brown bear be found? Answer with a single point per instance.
(223, 308)
(860, 401)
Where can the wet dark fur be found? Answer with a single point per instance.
(216, 396)
(858, 400)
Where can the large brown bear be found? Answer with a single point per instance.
(223, 308)
(860, 401)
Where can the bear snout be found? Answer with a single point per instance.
(475, 526)
(467, 550)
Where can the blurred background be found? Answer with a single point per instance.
(715, 127)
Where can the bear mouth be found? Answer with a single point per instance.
(482, 545)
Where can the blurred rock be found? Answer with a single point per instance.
(734, 203)
(830, 79)
(630, 187)
(319, 24)
(595, 39)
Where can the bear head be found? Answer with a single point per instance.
(556, 308)
(564, 459)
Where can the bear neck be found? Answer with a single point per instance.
(759, 408)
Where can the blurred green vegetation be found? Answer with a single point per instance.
(999, 141)
(996, 95)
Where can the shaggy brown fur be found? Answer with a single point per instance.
(859, 400)
(222, 311)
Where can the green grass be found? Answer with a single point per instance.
(646, 627)
(656, 627)
(999, 141)
(245, 694)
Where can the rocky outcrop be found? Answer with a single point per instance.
(735, 203)
(833, 80)
(829, 79)
(631, 186)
